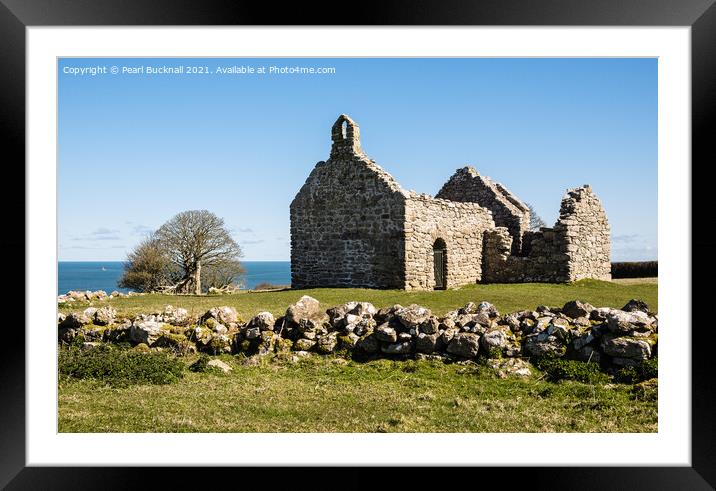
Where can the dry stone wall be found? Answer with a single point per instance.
(606, 336)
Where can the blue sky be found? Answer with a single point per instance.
(135, 149)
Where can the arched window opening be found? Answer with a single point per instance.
(344, 129)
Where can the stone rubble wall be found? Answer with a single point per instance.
(586, 234)
(610, 337)
(460, 225)
(467, 185)
(347, 221)
(577, 247)
(544, 263)
(88, 295)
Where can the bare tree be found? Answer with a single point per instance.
(194, 239)
(223, 276)
(536, 221)
(148, 267)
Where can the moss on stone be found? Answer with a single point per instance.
(94, 327)
(166, 327)
(494, 352)
(176, 329)
(198, 333)
(283, 345)
(176, 338)
(346, 342)
(217, 345)
(344, 347)
(142, 348)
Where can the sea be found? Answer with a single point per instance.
(103, 275)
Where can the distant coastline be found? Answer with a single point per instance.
(103, 275)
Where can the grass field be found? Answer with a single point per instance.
(321, 395)
(324, 394)
(506, 297)
(636, 281)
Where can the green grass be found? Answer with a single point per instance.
(120, 367)
(506, 297)
(322, 395)
(561, 369)
(646, 370)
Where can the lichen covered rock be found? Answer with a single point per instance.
(575, 309)
(413, 315)
(327, 344)
(264, 321)
(306, 313)
(304, 344)
(621, 322)
(464, 345)
(402, 348)
(104, 316)
(386, 333)
(146, 332)
(543, 344)
(624, 347)
(219, 365)
(224, 315)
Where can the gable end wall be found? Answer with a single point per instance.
(467, 185)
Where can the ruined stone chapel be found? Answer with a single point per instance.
(353, 225)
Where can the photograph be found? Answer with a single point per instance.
(434, 235)
(357, 245)
(428, 236)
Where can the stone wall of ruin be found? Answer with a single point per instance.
(352, 225)
(467, 185)
(545, 263)
(577, 247)
(587, 235)
(347, 221)
(460, 225)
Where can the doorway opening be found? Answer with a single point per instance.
(440, 264)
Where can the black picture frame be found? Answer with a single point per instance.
(700, 15)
